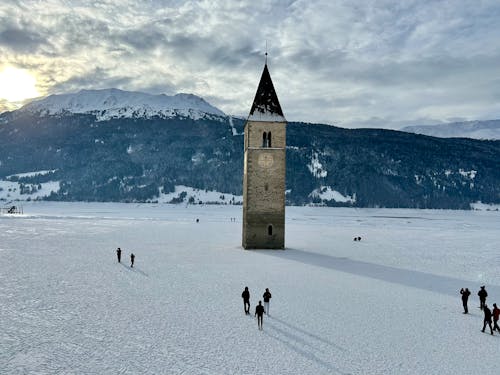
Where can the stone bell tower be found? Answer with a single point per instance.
(264, 170)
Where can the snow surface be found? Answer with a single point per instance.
(114, 103)
(11, 190)
(326, 193)
(266, 116)
(233, 129)
(32, 174)
(315, 167)
(199, 195)
(468, 174)
(388, 304)
(480, 206)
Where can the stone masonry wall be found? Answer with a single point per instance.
(264, 187)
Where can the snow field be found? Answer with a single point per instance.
(385, 305)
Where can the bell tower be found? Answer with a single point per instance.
(264, 170)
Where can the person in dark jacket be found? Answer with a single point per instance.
(267, 297)
(496, 316)
(465, 297)
(487, 318)
(259, 313)
(482, 297)
(119, 254)
(246, 300)
(132, 258)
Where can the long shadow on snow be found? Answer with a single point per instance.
(273, 319)
(416, 279)
(291, 342)
(135, 269)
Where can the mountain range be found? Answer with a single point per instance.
(113, 145)
(489, 129)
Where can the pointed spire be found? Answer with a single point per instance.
(266, 106)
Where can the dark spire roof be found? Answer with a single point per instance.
(266, 106)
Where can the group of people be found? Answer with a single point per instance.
(119, 256)
(260, 310)
(488, 314)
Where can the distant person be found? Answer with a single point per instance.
(132, 258)
(119, 255)
(482, 297)
(355, 238)
(359, 238)
(197, 220)
(465, 298)
(487, 318)
(259, 313)
(267, 297)
(246, 300)
(496, 316)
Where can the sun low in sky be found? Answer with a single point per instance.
(17, 85)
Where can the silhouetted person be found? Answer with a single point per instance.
(267, 297)
(482, 296)
(487, 318)
(259, 313)
(496, 316)
(246, 300)
(359, 238)
(465, 297)
(132, 257)
(119, 254)
(197, 220)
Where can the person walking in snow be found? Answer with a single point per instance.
(132, 257)
(465, 297)
(119, 255)
(496, 316)
(259, 313)
(487, 318)
(267, 297)
(246, 300)
(482, 297)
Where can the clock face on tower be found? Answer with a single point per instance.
(266, 160)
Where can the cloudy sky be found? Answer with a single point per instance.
(351, 63)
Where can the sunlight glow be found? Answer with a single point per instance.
(17, 85)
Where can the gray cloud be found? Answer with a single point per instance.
(356, 63)
(23, 41)
(98, 78)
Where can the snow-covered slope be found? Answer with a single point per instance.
(114, 103)
(470, 129)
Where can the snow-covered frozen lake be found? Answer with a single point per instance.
(386, 305)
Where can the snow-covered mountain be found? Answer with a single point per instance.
(469, 129)
(114, 103)
(156, 148)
